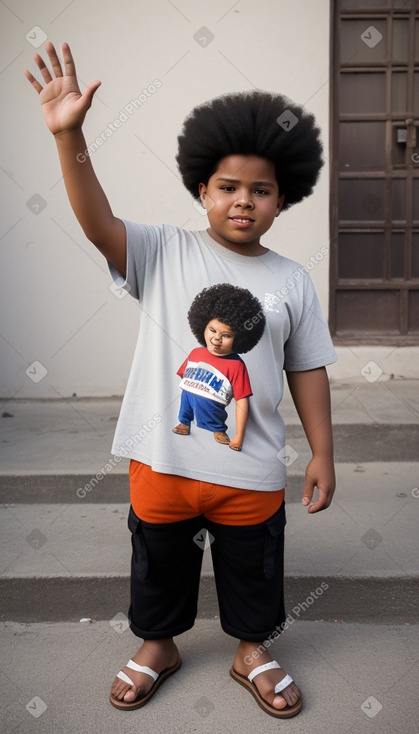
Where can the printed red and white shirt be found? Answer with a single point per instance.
(214, 377)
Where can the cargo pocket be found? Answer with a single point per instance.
(139, 548)
(274, 542)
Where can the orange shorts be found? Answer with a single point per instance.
(165, 498)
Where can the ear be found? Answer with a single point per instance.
(280, 204)
(202, 193)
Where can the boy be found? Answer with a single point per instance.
(246, 168)
(227, 320)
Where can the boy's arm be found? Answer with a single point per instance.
(242, 412)
(64, 109)
(311, 394)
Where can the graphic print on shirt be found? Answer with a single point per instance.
(201, 378)
(227, 320)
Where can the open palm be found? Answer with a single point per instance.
(63, 104)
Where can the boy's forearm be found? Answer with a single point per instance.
(242, 412)
(310, 392)
(87, 198)
(84, 191)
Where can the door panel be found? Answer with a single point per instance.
(375, 172)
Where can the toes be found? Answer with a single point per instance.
(279, 702)
(131, 695)
(121, 691)
(118, 688)
(291, 694)
(117, 685)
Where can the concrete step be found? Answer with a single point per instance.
(64, 556)
(75, 435)
(65, 548)
(107, 481)
(354, 442)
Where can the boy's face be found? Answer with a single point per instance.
(242, 201)
(219, 338)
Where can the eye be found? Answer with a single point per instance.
(261, 191)
(228, 189)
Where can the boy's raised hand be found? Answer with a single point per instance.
(63, 104)
(64, 108)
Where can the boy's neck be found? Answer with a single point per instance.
(248, 249)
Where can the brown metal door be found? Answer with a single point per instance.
(375, 172)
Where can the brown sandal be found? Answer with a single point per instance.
(182, 429)
(247, 682)
(158, 678)
(221, 438)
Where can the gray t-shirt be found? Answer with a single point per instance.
(166, 268)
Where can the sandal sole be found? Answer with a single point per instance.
(285, 713)
(132, 705)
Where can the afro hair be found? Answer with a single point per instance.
(236, 307)
(252, 123)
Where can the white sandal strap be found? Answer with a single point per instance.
(261, 669)
(142, 669)
(271, 666)
(124, 677)
(283, 683)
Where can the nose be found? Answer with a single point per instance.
(244, 199)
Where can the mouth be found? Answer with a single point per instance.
(242, 222)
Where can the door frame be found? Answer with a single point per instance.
(403, 286)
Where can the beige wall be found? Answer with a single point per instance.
(55, 299)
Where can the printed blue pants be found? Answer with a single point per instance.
(208, 413)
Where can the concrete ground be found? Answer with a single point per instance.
(64, 551)
(355, 679)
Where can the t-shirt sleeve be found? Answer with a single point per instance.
(309, 344)
(241, 382)
(143, 244)
(182, 368)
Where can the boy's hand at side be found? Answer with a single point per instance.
(311, 394)
(320, 473)
(236, 443)
(63, 104)
(242, 413)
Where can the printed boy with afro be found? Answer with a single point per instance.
(248, 156)
(227, 320)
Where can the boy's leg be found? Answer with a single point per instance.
(165, 572)
(249, 574)
(186, 415)
(186, 412)
(249, 569)
(210, 415)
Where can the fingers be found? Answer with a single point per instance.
(52, 55)
(42, 68)
(323, 501)
(36, 85)
(308, 492)
(307, 495)
(90, 90)
(320, 476)
(316, 506)
(69, 66)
